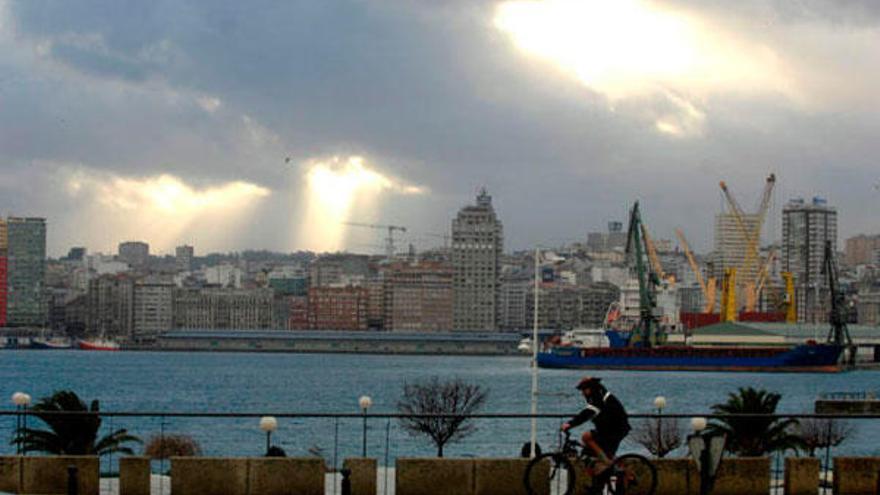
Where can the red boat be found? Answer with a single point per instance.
(98, 345)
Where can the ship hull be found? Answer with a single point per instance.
(97, 346)
(816, 358)
(50, 345)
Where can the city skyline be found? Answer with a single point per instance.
(136, 127)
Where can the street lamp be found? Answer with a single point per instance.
(21, 401)
(365, 402)
(706, 448)
(268, 424)
(660, 403)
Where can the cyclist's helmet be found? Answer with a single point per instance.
(589, 382)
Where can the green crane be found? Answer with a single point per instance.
(648, 332)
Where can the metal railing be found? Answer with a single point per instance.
(237, 433)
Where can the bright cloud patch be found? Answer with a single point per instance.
(162, 210)
(337, 187)
(632, 48)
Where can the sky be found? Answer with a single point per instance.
(231, 125)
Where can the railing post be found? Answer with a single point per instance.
(72, 480)
(346, 481)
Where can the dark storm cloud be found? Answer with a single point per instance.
(429, 91)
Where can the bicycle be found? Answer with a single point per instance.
(628, 474)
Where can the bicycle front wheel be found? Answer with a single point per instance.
(549, 474)
(632, 474)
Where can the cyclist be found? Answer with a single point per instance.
(610, 420)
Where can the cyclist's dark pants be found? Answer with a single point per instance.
(608, 442)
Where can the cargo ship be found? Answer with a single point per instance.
(643, 344)
(808, 357)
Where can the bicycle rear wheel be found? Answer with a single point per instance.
(632, 474)
(549, 474)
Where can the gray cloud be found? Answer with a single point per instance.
(431, 94)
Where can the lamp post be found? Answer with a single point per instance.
(365, 402)
(706, 449)
(660, 403)
(534, 436)
(21, 401)
(268, 424)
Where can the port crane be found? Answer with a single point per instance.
(648, 332)
(708, 287)
(752, 237)
(389, 241)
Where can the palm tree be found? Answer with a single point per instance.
(72, 434)
(754, 436)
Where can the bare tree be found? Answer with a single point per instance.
(454, 398)
(819, 433)
(167, 446)
(659, 436)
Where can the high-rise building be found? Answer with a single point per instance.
(135, 253)
(109, 304)
(4, 244)
(153, 305)
(477, 244)
(26, 271)
(731, 245)
(418, 297)
(615, 238)
(183, 258)
(805, 229)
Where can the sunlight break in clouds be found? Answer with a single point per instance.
(631, 48)
(162, 210)
(334, 189)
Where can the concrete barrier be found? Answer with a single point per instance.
(134, 476)
(10, 471)
(429, 476)
(203, 475)
(363, 475)
(48, 475)
(743, 476)
(677, 477)
(801, 476)
(501, 476)
(284, 476)
(856, 475)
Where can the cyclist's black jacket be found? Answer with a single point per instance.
(607, 413)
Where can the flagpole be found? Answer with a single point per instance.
(534, 439)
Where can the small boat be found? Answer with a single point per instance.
(98, 345)
(54, 343)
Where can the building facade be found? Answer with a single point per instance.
(153, 306)
(732, 246)
(26, 272)
(861, 249)
(110, 306)
(135, 253)
(338, 308)
(805, 229)
(4, 256)
(223, 308)
(477, 245)
(183, 258)
(340, 269)
(418, 297)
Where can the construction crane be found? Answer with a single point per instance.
(708, 294)
(753, 293)
(648, 332)
(389, 241)
(753, 237)
(839, 333)
(653, 258)
(728, 296)
(790, 305)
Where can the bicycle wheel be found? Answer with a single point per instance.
(632, 474)
(549, 474)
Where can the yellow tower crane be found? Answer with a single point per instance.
(752, 237)
(728, 296)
